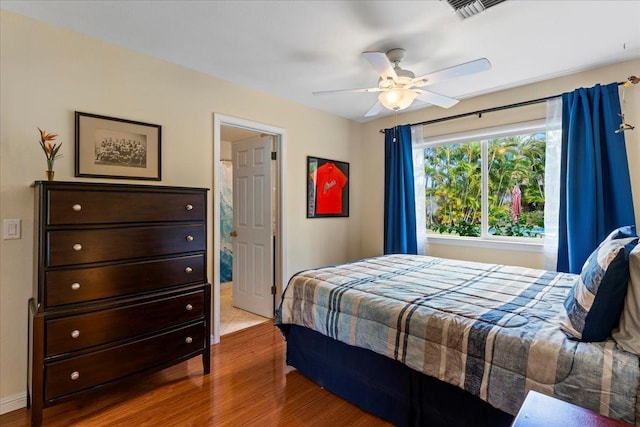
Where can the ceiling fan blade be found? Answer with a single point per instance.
(436, 99)
(381, 64)
(460, 70)
(374, 110)
(330, 92)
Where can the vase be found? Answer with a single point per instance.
(50, 175)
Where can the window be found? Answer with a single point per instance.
(487, 184)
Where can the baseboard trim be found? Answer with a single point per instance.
(12, 403)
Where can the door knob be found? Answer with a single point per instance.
(234, 233)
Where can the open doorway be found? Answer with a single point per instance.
(248, 256)
(247, 300)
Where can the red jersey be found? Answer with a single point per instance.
(329, 181)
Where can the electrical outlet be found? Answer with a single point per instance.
(11, 229)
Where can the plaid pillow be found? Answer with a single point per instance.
(622, 233)
(594, 304)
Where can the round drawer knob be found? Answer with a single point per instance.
(75, 333)
(77, 247)
(189, 207)
(188, 340)
(75, 375)
(189, 307)
(77, 207)
(189, 238)
(75, 286)
(188, 270)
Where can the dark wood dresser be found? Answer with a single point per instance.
(120, 285)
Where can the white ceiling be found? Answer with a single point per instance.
(293, 48)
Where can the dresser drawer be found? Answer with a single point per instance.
(70, 247)
(106, 207)
(104, 326)
(83, 372)
(87, 284)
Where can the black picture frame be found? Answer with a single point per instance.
(327, 188)
(109, 147)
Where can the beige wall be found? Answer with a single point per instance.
(372, 153)
(225, 150)
(48, 73)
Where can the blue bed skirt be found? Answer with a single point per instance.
(383, 386)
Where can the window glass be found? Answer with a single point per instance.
(453, 189)
(516, 185)
(499, 177)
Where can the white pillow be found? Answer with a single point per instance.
(627, 335)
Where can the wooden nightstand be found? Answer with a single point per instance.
(539, 410)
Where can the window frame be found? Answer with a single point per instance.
(485, 240)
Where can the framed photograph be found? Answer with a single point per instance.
(107, 147)
(327, 188)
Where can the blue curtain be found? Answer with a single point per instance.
(399, 193)
(595, 187)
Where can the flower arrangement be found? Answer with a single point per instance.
(50, 150)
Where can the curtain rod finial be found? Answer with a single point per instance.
(632, 80)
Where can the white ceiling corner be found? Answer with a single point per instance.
(293, 48)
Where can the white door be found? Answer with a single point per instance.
(252, 235)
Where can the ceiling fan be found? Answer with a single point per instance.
(399, 88)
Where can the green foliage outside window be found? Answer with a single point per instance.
(454, 187)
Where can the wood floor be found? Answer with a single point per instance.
(249, 385)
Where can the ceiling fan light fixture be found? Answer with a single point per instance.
(398, 88)
(397, 98)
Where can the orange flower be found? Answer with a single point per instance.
(50, 150)
(47, 136)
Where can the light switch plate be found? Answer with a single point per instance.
(11, 229)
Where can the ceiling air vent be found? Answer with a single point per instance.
(468, 8)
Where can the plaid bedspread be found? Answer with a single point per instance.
(489, 329)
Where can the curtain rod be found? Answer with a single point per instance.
(479, 113)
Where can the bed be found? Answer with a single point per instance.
(420, 340)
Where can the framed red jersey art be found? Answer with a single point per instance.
(327, 188)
